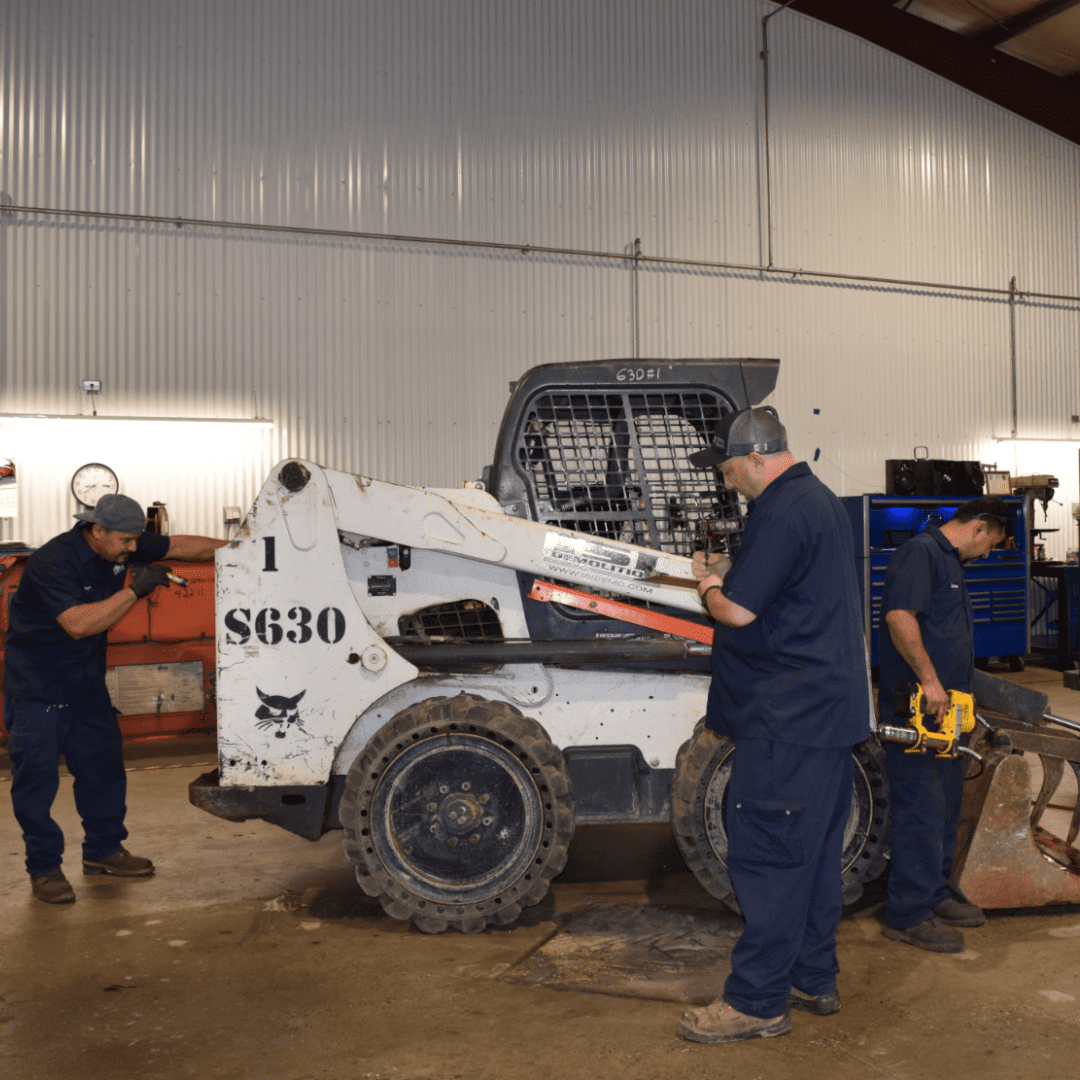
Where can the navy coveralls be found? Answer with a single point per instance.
(792, 689)
(56, 701)
(925, 576)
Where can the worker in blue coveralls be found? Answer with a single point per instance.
(927, 610)
(790, 685)
(55, 698)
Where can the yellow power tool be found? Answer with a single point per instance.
(924, 735)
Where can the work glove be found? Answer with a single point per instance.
(145, 579)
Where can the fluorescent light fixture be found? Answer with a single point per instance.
(239, 421)
(1036, 439)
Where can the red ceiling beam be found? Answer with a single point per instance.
(1028, 91)
(1015, 25)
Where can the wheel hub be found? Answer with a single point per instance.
(461, 812)
(459, 818)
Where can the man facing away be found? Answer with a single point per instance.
(55, 698)
(791, 686)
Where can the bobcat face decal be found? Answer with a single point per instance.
(278, 710)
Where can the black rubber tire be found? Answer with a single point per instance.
(702, 769)
(409, 798)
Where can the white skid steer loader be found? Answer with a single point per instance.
(457, 677)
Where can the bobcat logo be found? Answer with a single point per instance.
(278, 710)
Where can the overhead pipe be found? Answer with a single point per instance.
(536, 249)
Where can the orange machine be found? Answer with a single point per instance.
(161, 667)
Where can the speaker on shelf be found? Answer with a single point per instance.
(900, 476)
(932, 476)
(969, 478)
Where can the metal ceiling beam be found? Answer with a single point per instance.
(1028, 91)
(1015, 25)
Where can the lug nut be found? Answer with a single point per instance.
(443, 789)
(466, 786)
(432, 807)
(452, 841)
(473, 838)
(483, 799)
(486, 821)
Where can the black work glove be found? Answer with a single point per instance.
(145, 579)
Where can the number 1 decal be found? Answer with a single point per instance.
(271, 556)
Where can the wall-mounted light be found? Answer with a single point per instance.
(36, 418)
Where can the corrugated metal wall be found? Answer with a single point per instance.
(567, 124)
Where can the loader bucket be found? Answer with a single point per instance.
(1000, 696)
(1003, 858)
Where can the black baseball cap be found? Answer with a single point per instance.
(741, 433)
(118, 513)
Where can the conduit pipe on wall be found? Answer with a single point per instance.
(636, 259)
(1012, 353)
(765, 116)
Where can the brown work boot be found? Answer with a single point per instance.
(931, 935)
(53, 887)
(720, 1023)
(955, 912)
(120, 863)
(820, 1004)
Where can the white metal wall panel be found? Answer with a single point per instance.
(576, 124)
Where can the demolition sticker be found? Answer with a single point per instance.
(585, 559)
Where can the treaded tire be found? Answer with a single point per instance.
(458, 814)
(866, 835)
(702, 769)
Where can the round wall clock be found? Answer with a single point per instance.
(93, 480)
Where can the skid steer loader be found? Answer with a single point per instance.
(457, 677)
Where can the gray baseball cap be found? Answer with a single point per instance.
(740, 433)
(119, 513)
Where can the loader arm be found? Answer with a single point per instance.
(299, 654)
(470, 523)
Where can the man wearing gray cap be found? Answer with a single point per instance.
(55, 698)
(791, 687)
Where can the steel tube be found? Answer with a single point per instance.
(587, 651)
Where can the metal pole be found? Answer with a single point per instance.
(765, 109)
(1012, 350)
(637, 312)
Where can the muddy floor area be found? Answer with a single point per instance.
(252, 953)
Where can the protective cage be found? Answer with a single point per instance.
(615, 464)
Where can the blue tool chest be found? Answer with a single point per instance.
(998, 584)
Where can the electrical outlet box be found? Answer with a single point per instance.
(91, 386)
(230, 515)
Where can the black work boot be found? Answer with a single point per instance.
(120, 863)
(954, 912)
(930, 934)
(819, 1004)
(53, 887)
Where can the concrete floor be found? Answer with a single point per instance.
(252, 953)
